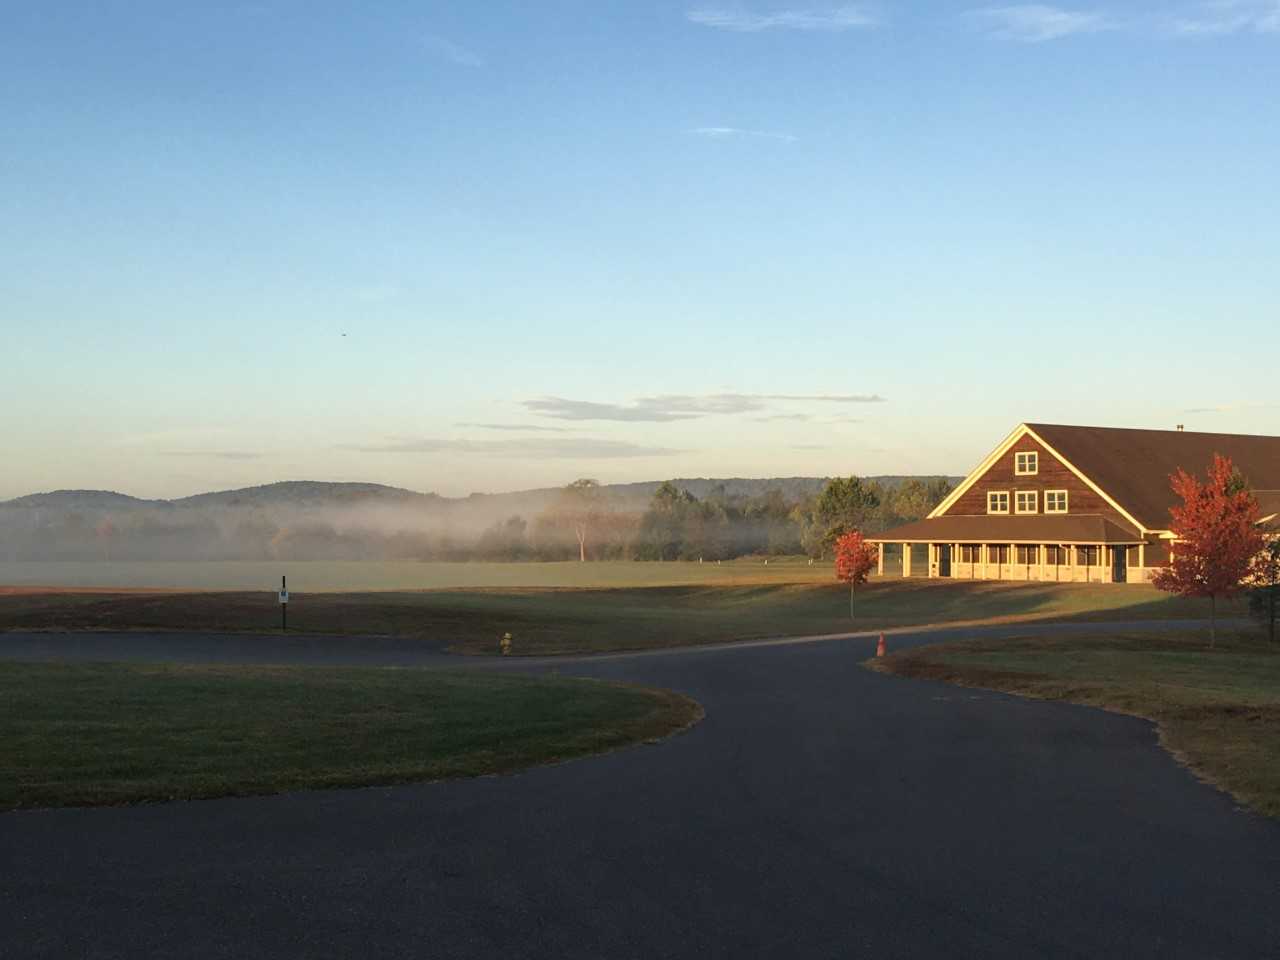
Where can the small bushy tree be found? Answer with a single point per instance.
(1217, 537)
(855, 559)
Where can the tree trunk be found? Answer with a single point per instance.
(1213, 621)
(851, 601)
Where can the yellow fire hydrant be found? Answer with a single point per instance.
(505, 644)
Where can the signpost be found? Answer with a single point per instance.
(284, 604)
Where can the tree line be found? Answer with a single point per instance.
(584, 524)
(582, 521)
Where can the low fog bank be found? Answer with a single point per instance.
(682, 519)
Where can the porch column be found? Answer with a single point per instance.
(1142, 560)
(880, 559)
(985, 551)
(906, 559)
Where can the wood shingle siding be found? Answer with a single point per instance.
(1118, 491)
(1053, 475)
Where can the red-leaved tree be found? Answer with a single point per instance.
(854, 560)
(1217, 537)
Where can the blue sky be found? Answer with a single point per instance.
(488, 246)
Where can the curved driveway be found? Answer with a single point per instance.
(820, 810)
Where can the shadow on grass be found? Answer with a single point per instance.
(557, 620)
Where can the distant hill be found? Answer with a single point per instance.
(307, 519)
(81, 500)
(319, 493)
(303, 492)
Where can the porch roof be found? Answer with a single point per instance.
(1011, 529)
(1269, 509)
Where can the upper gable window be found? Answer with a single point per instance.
(998, 501)
(1026, 501)
(1025, 464)
(1055, 501)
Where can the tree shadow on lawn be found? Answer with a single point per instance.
(920, 601)
(553, 620)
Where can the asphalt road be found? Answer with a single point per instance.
(820, 810)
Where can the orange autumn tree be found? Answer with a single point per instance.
(1217, 537)
(854, 560)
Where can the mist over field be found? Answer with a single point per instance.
(305, 521)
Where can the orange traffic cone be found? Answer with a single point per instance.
(880, 646)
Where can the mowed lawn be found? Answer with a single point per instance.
(357, 576)
(1218, 710)
(558, 621)
(81, 734)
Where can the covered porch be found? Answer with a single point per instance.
(1052, 549)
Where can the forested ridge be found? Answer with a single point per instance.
(685, 519)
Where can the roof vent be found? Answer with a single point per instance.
(1179, 428)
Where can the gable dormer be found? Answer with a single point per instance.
(1024, 477)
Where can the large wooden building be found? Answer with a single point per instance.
(1087, 504)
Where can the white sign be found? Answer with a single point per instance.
(284, 596)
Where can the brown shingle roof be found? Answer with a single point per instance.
(1269, 509)
(1268, 502)
(1133, 466)
(1010, 529)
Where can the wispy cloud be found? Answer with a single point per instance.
(536, 448)
(214, 454)
(1218, 18)
(830, 20)
(451, 52)
(1038, 22)
(666, 408)
(561, 408)
(798, 417)
(1233, 408)
(519, 427)
(726, 133)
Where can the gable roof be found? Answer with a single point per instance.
(1134, 466)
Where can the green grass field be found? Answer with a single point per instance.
(1218, 711)
(116, 733)
(362, 576)
(556, 621)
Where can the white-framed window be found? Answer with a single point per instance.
(997, 501)
(1055, 501)
(1026, 501)
(1026, 464)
